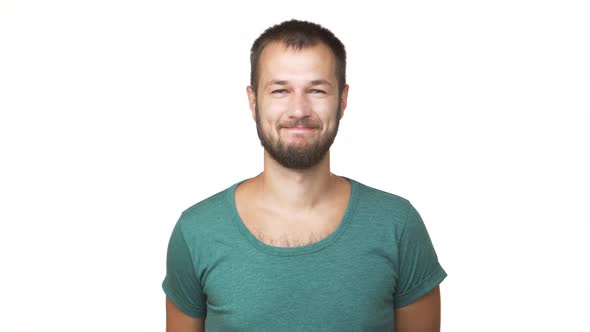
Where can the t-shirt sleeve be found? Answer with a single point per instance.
(419, 269)
(181, 284)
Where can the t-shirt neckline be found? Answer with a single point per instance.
(301, 250)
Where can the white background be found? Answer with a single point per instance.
(115, 116)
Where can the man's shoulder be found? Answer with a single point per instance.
(208, 209)
(377, 195)
(379, 201)
(216, 200)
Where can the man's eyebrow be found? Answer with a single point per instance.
(320, 82)
(278, 82)
(284, 82)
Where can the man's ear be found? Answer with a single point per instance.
(251, 101)
(344, 100)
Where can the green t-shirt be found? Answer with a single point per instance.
(379, 258)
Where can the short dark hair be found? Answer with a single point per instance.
(298, 34)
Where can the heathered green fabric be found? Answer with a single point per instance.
(380, 257)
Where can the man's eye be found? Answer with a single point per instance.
(317, 91)
(279, 91)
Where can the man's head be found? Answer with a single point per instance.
(297, 79)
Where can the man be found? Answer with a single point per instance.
(297, 248)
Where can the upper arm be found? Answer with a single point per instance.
(178, 321)
(185, 299)
(422, 315)
(417, 291)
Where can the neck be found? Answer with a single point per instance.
(295, 191)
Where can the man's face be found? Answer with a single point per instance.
(297, 88)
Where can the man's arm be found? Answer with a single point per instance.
(422, 315)
(178, 321)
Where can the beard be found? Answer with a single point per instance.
(298, 155)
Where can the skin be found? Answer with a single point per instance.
(300, 87)
(422, 315)
(295, 186)
(178, 321)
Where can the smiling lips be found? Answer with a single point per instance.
(300, 129)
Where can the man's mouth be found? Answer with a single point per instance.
(300, 129)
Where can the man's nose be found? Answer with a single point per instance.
(300, 105)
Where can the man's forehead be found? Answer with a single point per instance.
(276, 51)
(280, 65)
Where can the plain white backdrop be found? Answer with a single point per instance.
(115, 116)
